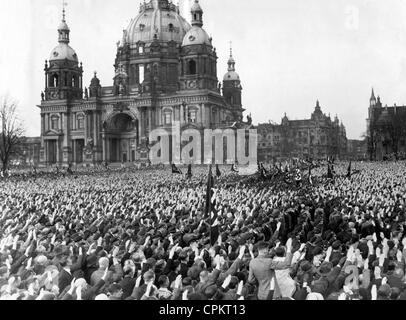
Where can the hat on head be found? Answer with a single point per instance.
(93, 229)
(384, 290)
(317, 250)
(306, 266)
(41, 260)
(187, 238)
(336, 245)
(115, 287)
(325, 268)
(148, 276)
(80, 282)
(314, 296)
(151, 261)
(391, 244)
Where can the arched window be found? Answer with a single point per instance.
(192, 67)
(141, 73)
(73, 82)
(171, 27)
(167, 116)
(54, 81)
(54, 123)
(80, 122)
(193, 117)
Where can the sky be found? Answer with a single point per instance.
(289, 53)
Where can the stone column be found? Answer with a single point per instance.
(203, 112)
(160, 116)
(42, 124)
(86, 126)
(137, 74)
(108, 150)
(104, 148)
(74, 151)
(46, 152)
(129, 151)
(142, 125)
(182, 112)
(46, 122)
(149, 121)
(58, 151)
(95, 135)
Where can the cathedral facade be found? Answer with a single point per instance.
(165, 72)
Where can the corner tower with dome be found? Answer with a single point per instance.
(165, 72)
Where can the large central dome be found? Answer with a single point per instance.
(157, 19)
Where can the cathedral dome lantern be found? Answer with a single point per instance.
(197, 14)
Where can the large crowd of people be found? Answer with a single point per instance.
(144, 235)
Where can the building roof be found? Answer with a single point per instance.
(157, 19)
(196, 35)
(63, 51)
(231, 76)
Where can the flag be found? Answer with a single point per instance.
(234, 168)
(329, 171)
(175, 169)
(349, 170)
(259, 166)
(262, 170)
(218, 172)
(189, 172)
(211, 212)
(310, 175)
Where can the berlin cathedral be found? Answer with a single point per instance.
(165, 72)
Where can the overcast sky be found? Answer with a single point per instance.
(289, 53)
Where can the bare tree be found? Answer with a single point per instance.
(12, 131)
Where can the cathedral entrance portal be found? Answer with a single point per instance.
(121, 138)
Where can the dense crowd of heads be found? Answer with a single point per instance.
(144, 235)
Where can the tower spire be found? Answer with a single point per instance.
(64, 4)
(373, 94)
(63, 28)
(197, 14)
(231, 61)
